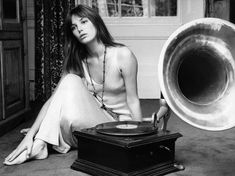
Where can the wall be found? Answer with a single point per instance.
(31, 45)
(144, 38)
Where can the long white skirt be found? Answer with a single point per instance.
(72, 108)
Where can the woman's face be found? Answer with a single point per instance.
(83, 29)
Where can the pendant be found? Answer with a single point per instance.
(95, 94)
(103, 107)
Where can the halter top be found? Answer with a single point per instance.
(114, 96)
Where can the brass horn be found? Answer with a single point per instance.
(196, 73)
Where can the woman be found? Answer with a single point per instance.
(99, 84)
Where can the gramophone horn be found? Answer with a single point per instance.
(196, 73)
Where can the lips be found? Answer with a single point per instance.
(82, 36)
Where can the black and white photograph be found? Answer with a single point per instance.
(117, 87)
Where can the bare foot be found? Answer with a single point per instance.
(39, 151)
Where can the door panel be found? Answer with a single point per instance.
(13, 77)
(13, 83)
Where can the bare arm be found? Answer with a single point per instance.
(129, 67)
(34, 128)
(27, 142)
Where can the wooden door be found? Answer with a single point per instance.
(12, 63)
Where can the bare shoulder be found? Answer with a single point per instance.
(124, 52)
(125, 56)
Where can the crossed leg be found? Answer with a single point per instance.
(71, 108)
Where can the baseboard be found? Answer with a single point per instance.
(24, 115)
(13, 121)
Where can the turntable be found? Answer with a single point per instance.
(125, 148)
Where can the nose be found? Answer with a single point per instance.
(79, 30)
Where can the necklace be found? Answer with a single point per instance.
(103, 81)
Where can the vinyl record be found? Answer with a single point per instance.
(126, 128)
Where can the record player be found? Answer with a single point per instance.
(126, 148)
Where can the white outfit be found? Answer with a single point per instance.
(73, 107)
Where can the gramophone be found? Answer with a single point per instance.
(126, 148)
(196, 76)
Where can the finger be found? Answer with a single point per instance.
(22, 130)
(13, 155)
(16, 154)
(10, 155)
(25, 130)
(29, 150)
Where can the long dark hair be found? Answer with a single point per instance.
(76, 52)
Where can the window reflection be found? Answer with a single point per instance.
(132, 8)
(135, 8)
(113, 8)
(163, 7)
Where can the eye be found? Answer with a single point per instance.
(73, 27)
(84, 21)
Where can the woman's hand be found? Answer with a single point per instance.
(164, 112)
(26, 144)
(24, 131)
